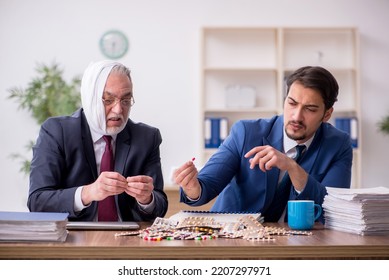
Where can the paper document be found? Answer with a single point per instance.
(361, 211)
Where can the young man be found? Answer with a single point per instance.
(97, 164)
(249, 170)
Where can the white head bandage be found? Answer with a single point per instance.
(92, 87)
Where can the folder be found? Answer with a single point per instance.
(216, 131)
(33, 226)
(350, 126)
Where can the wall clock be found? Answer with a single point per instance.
(113, 44)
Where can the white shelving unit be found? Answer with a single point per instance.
(260, 58)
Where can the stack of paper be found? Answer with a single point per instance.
(33, 226)
(361, 211)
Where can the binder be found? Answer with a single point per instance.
(215, 131)
(354, 132)
(33, 226)
(207, 133)
(350, 126)
(223, 129)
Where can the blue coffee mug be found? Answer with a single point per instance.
(301, 214)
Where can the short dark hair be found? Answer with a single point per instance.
(317, 78)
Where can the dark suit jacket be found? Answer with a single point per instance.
(227, 174)
(64, 159)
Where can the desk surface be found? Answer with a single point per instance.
(323, 244)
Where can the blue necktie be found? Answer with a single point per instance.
(281, 196)
(107, 207)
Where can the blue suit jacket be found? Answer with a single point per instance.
(328, 162)
(64, 159)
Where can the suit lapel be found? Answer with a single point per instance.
(88, 146)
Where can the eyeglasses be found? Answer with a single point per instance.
(125, 102)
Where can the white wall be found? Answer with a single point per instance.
(164, 57)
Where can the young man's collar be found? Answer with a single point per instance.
(290, 143)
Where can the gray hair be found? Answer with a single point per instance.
(121, 69)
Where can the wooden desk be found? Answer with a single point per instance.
(323, 244)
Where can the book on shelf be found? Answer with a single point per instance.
(216, 131)
(33, 226)
(350, 126)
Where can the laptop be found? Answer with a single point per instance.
(102, 225)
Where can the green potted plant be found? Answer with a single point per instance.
(383, 125)
(46, 95)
